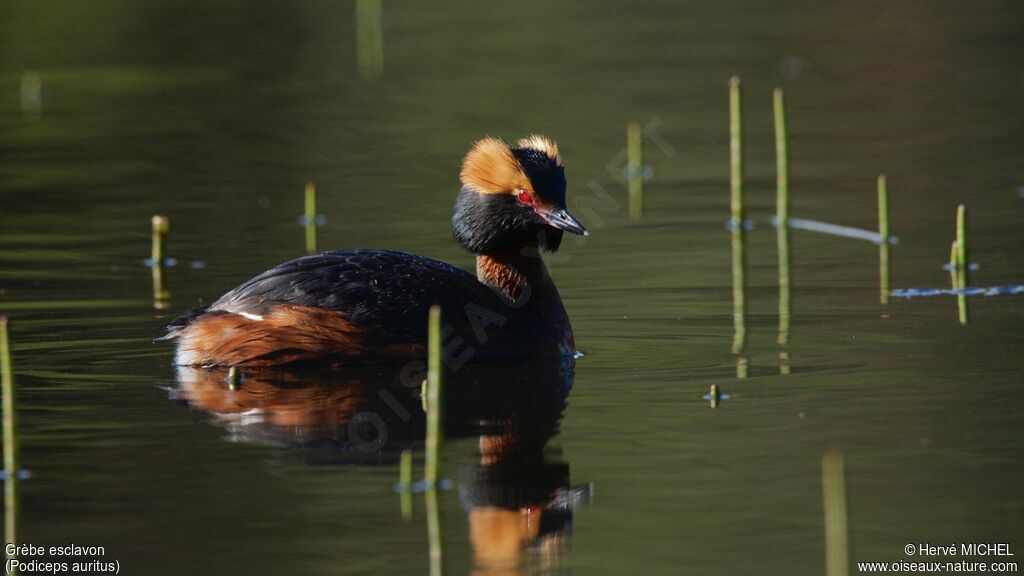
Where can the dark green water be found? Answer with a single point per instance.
(216, 114)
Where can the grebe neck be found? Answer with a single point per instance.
(518, 276)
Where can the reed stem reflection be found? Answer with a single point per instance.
(10, 426)
(833, 484)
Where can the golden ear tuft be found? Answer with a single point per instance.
(490, 168)
(543, 144)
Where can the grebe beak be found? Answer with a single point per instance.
(562, 220)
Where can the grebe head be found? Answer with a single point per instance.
(512, 196)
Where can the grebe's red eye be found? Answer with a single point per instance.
(524, 196)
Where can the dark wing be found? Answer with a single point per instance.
(374, 288)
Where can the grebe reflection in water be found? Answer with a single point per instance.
(518, 497)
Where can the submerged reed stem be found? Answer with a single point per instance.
(883, 245)
(635, 169)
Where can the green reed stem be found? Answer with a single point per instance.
(883, 246)
(739, 260)
(435, 432)
(10, 428)
(833, 485)
(635, 169)
(434, 438)
(961, 246)
(234, 379)
(736, 152)
(310, 217)
(158, 256)
(781, 160)
(954, 277)
(405, 484)
(962, 264)
(161, 226)
(782, 213)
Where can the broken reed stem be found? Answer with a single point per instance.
(962, 265)
(883, 245)
(782, 212)
(310, 217)
(10, 428)
(158, 260)
(405, 483)
(635, 168)
(738, 239)
(434, 430)
(833, 485)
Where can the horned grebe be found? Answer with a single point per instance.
(372, 305)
